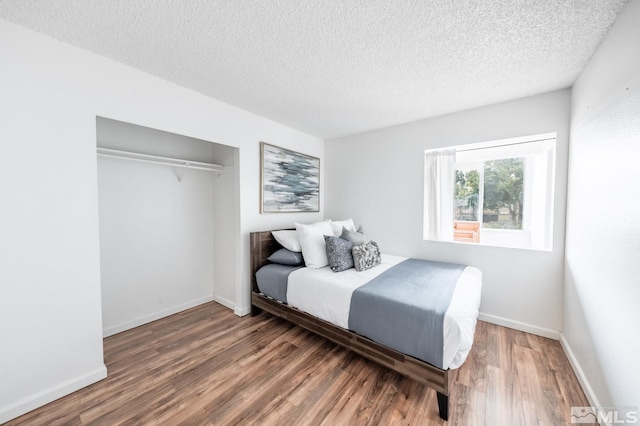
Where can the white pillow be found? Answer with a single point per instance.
(337, 226)
(288, 239)
(314, 249)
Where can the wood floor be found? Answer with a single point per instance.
(206, 366)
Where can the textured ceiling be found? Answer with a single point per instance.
(337, 67)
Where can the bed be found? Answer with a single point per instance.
(331, 323)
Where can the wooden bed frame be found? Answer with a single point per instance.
(262, 246)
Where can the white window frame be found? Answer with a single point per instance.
(538, 152)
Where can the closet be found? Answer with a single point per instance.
(168, 223)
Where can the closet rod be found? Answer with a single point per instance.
(146, 158)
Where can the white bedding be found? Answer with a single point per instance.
(327, 295)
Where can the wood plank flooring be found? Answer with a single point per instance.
(206, 366)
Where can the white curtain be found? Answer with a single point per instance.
(438, 194)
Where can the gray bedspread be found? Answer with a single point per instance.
(272, 280)
(404, 307)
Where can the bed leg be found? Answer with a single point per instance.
(255, 310)
(443, 406)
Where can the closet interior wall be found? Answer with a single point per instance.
(165, 231)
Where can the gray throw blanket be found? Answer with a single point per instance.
(403, 308)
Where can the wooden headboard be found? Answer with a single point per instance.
(261, 245)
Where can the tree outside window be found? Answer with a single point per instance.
(467, 195)
(501, 202)
(503, 193)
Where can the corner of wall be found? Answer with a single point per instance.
(579, 372)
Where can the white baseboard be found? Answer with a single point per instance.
(224, 301)
(48, 395)
(242, 311)
(586, 387)
(552, 334)
(155, 316)
(239, 311)
(517, 325)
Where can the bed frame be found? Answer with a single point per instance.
(262, 246)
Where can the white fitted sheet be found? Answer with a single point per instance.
(327, 295)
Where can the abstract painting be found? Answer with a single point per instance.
(290, 181)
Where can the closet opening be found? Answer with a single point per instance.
(168, 212)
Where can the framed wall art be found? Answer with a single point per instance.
(289, 180)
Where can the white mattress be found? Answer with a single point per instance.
(327, 295)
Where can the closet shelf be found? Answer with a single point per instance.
(146, 158)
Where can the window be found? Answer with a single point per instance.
(502, 193)
(501, 199)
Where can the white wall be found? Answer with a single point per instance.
(224, 277)
(376, 178)
(602, 294)
(156, 241)
(51, 93)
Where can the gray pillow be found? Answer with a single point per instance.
(366, 256)
(286, 257)
(339, 253)
(356, 238)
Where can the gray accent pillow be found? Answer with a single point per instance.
(339, 253)
(356, 238)
(286, 257)
(366, 256)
